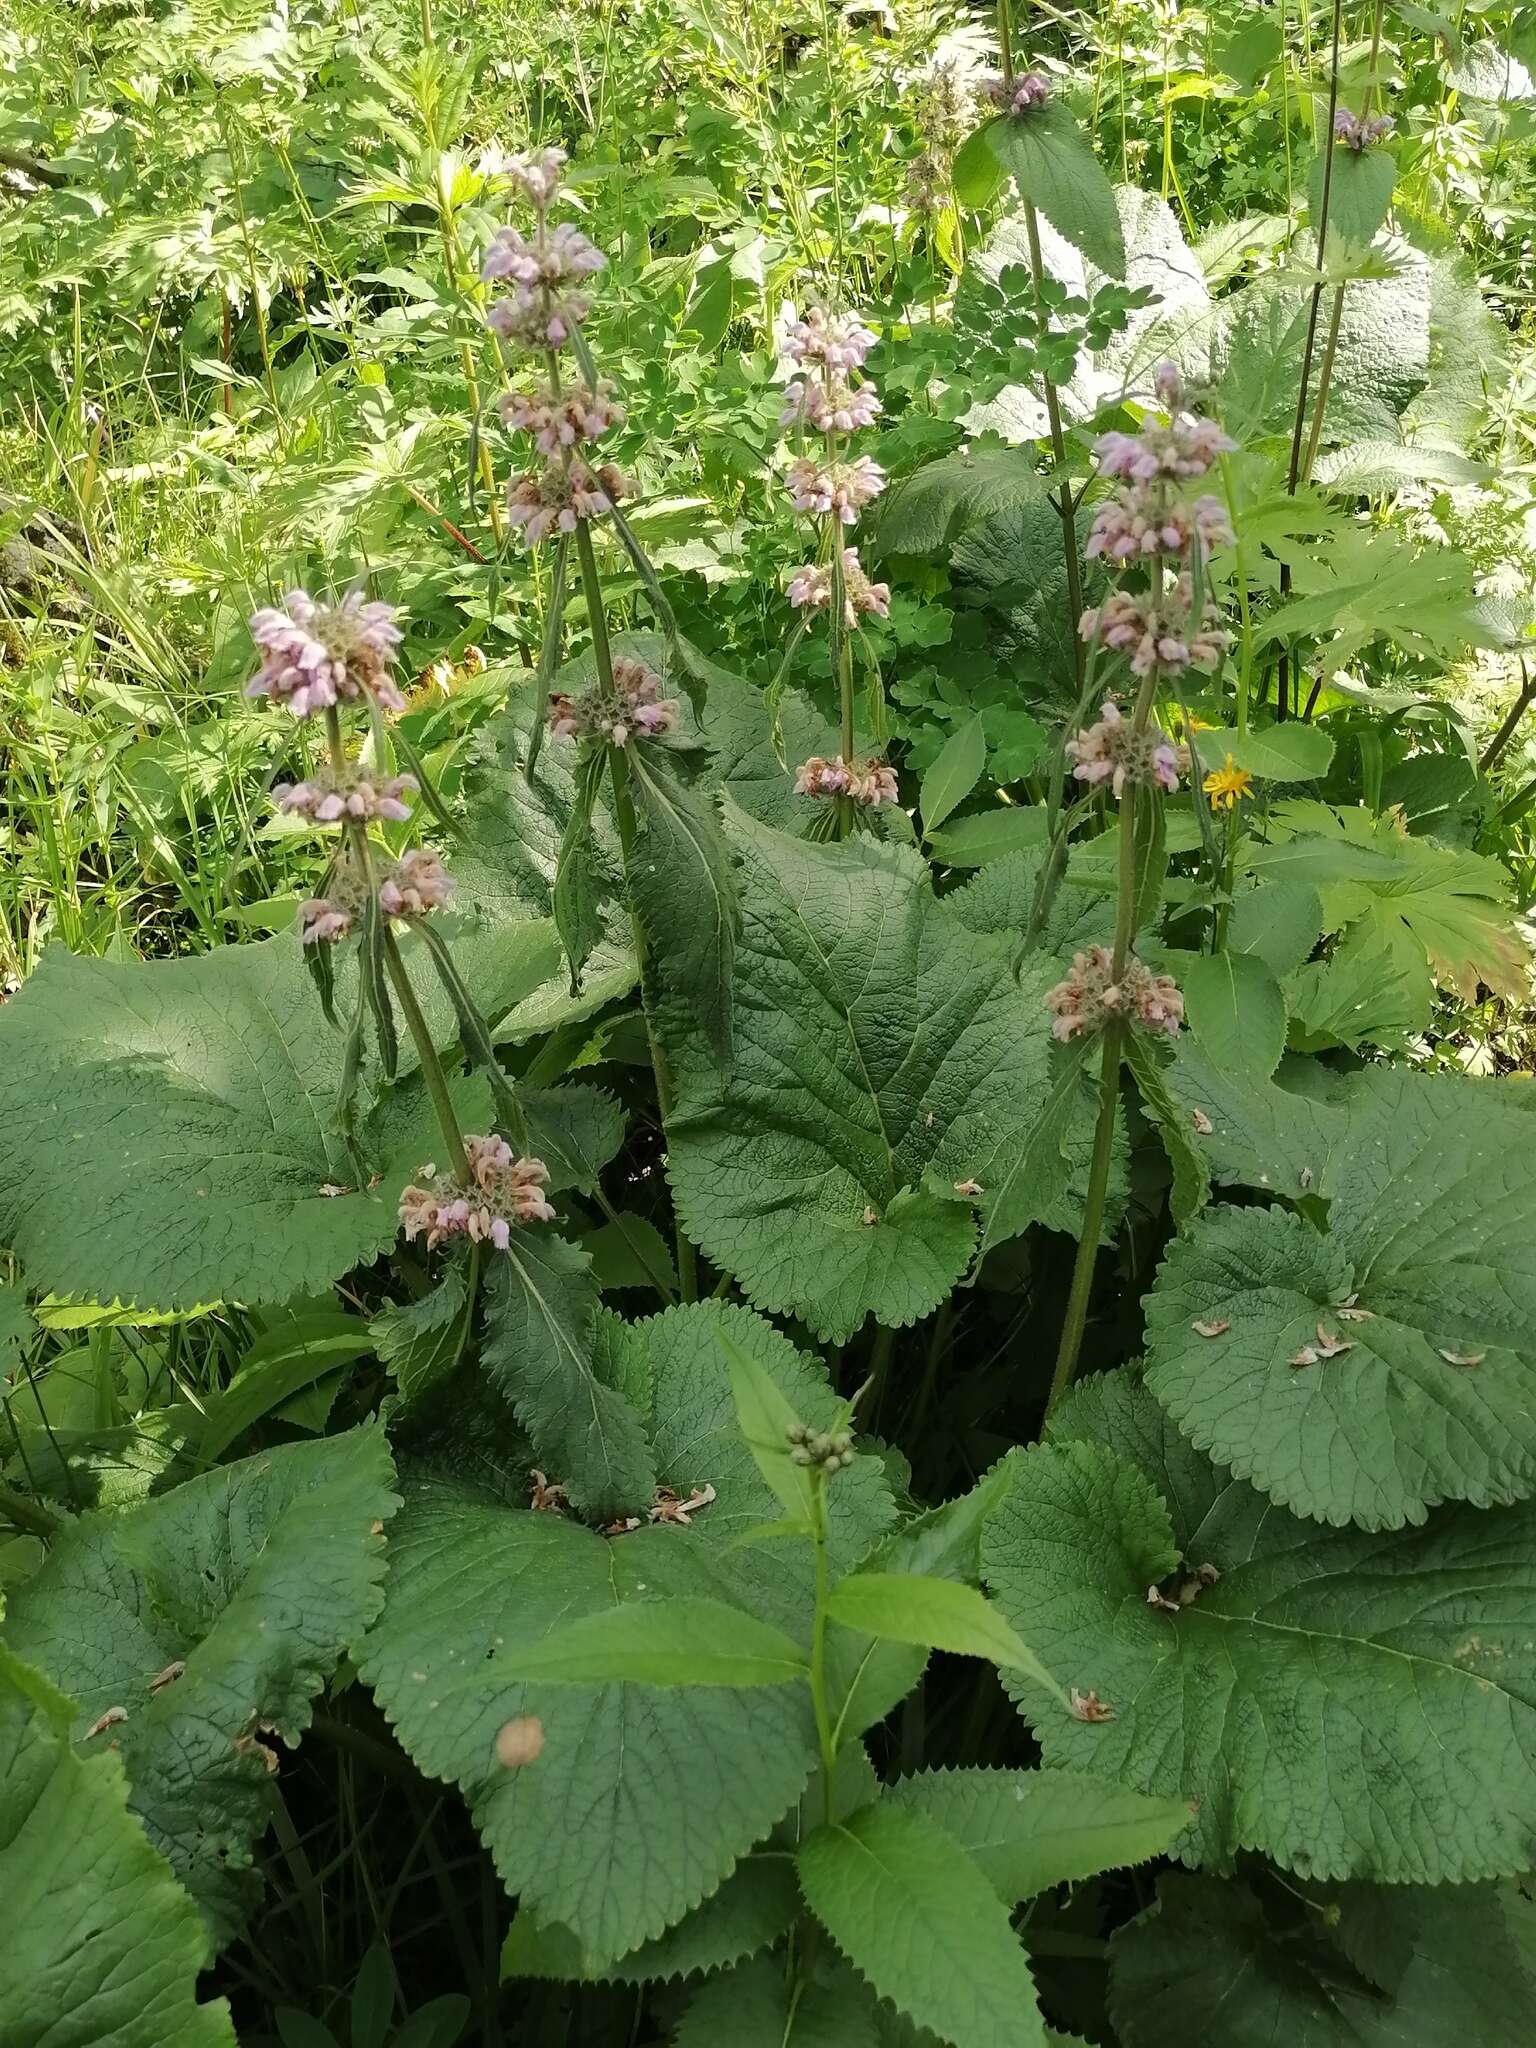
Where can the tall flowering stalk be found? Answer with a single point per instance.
(1153, 528)
(565, 408)
(826, 404)
(327, 661)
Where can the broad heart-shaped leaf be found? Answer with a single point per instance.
(1359, 194)
(1351, 1705)
(1427, 1273)
(684, 893)
(924, 1926)
(640, 1800)
(165, 1132)
(1275, 753)
(930, 509)
(256, 1578)
(759, 2005)
(1233, 1005)
(1029, 1831)
(1052, 162)
(686, 1781)
(1362, 1966)
(884, 1053)
(102, 1946)
(540, 1302)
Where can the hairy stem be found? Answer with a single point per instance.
(825, 1738)
(431, 1066)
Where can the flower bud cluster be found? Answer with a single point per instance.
(1157, 630)
(831, 405)
(1091, 996)
(831, 1450)
(633, 709)
(559, 420)
(1113, 751)
(1018, 96)
(811, 587)
(1356, 132)
(503, 1192)
(551, 500)
(315, 655)
(942, 106)
(869, 783)
(328, 798)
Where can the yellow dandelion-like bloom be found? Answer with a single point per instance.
(1224, 785)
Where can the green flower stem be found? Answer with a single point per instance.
(1076, 1319)
(29, 1515)
(426, 1052)
(1063, 500)
(624, 818)
(825, 1738)
(1324, 379)
(1005, 36)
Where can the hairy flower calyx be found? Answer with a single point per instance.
(328, 798)
(870, 783)
(553, 499)
(633, 709)
(811, 587)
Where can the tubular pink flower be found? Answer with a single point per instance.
(551, 500)
(322, 923)
(1357, 133)
(841, 487)
(555, 256)
(314, 655)
(505, 1193)
(1187, 447)
(1145, 520)
(830, 408)
(811, 587)
(562, 420)
(328, 799)
(1107, 752)
(1088, 997)
(838, 340)
(1018, 96)
(870, 783)
(1157, 634)
(538, 173)
(416, 886)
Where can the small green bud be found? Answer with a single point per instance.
(800, 1455)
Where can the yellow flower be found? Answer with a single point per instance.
(1224, 785)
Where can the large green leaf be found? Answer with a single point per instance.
(1352, 1706)
(686, 1781)
(684, 1641)
(919, 1920)
(684, 894)
(761, 2005)
(1052, 162)
(1233, 1005)
(540, 1302)
(1362, 1966)
(1029, 1831)
(884, 1053)
(165, 1132)
(102, 1947)
(753, 1908)
(255, 1579)
(1359, 196)
(930, 509)
(1427, 1277)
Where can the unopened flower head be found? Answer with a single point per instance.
(551, 500)
(537, 173)
(415, 886)
(1090, 996)
(869, 783)
(1158, 633)
(314, 655)
(501, 1194)
(327, 798)
(831, 406)
(1357, 132)
(942, 105)
(927, 182)
(1145, 519)
(811, 587)
(1110, 751)
(559, 420)
(841, 487)
(633, 709)
(838, 340)
(538, 319)
(1020, 95)
(1168, 385)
